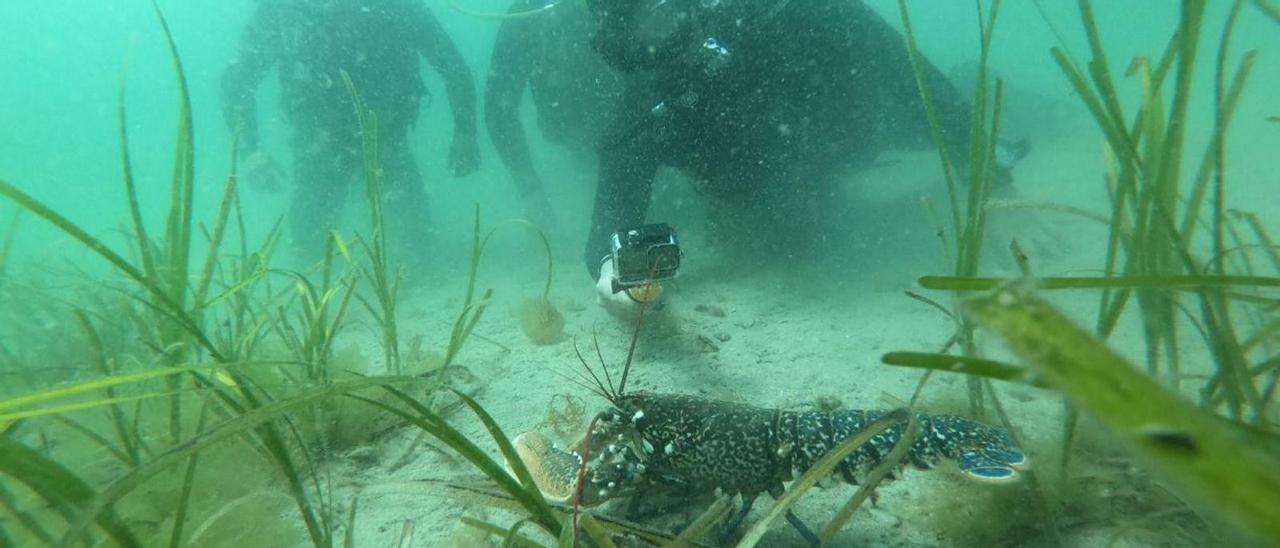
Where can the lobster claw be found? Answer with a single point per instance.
(613, 470)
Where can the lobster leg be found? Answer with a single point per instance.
(727, 531)
(803, 529)
(794, 520)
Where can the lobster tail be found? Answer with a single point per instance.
(982, 452)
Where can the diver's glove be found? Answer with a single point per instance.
(623, 303)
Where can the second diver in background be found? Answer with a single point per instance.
(378, 43)
(546, 48)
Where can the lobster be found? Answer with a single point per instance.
(676, 444)
(672, 443)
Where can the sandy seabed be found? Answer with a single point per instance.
(784, 334)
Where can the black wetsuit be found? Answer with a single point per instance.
(762, 101)
(378, 43)
(574, 90)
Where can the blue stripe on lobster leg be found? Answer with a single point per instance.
(794, 520)
(803, 529)
(727, 531)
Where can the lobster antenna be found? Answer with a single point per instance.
(635, 335)
(605, 391)
(580, 383)
(595, 340)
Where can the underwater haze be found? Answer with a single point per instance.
(639, 272)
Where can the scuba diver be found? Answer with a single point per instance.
(763, 103)
(311, 44)
(545, 47)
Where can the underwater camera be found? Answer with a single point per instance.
(643, 254)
